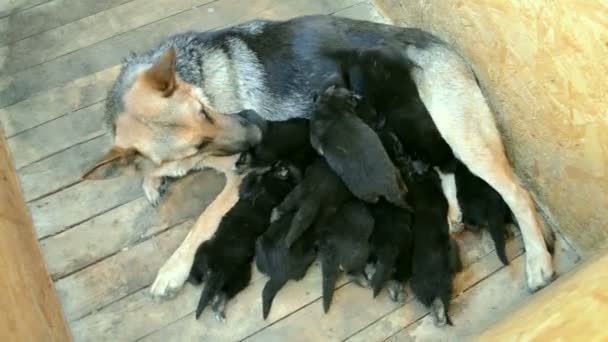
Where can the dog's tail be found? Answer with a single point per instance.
(329, 270)
(496, 227)
(213, 286)
(270, 290)
(302, 220)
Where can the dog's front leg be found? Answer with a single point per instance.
(175, 271)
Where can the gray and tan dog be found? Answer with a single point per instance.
(167, 108)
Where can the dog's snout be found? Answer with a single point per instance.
(251, 117)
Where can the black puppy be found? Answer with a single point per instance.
(352, 149)
(482, 206)
(279, 262)
(435, 255)
(343, 244)
(382, 75)
(280, 139)
(319, 195)
(391, 249)
(224, 261)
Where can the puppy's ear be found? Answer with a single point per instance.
(161, 76)
(116, 162)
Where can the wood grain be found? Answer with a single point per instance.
(30, 307)
(48, 16)
(575, 307)
(128, 224)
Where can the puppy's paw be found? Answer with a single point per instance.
(154, 189)
(370, 270)
(539, 269)
(219, 307)
(438, 312)
(396, 291)
(360, 279)
(275, 215)
(171, 277)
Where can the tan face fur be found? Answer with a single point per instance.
(167, 120)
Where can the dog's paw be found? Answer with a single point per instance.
(171, 277)
(455, 218)
(455, 227)
(396, 291)
(154, 189)
(539, 269)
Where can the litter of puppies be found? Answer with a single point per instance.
(358, 187)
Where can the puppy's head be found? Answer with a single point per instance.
(156, 117)
(335, 100)
(275, 181)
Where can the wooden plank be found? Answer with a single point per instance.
(30, 307)
(62, 169)
(104, 54)
(574, 308)
(56, 135)
(244, 313)
(353, 308)
(48, 16)
(51, 44)
(50, 104)
(469, 318)
(11, 7)
(128, 224)
(363, 11)
(119, 275)
(61, 210)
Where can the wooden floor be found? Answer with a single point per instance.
(104, 243)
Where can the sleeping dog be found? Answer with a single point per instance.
(168, 110)
(224, 261)
(352, 149)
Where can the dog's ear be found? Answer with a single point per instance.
(161, 76)
(117, 162)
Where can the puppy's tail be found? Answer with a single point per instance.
(213, 286)
(329, 270)
(301, 221)
(270, 290)
(496, 227)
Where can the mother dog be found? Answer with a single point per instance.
(165, 111)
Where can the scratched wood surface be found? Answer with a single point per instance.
(103, 243)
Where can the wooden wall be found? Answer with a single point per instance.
(544, 65)
(29, 307)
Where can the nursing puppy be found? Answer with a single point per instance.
(482, 206)
(224, 261)
(281, 263)
(391, 249)
(343, 244)
(280, 139)
(352, 149)
(318, 196)
(435, 256)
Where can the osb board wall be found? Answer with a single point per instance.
(544, 66)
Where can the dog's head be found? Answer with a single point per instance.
(276, 181)
(156, 117)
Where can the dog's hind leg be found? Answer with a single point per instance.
(174, 273)
(449, 90)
